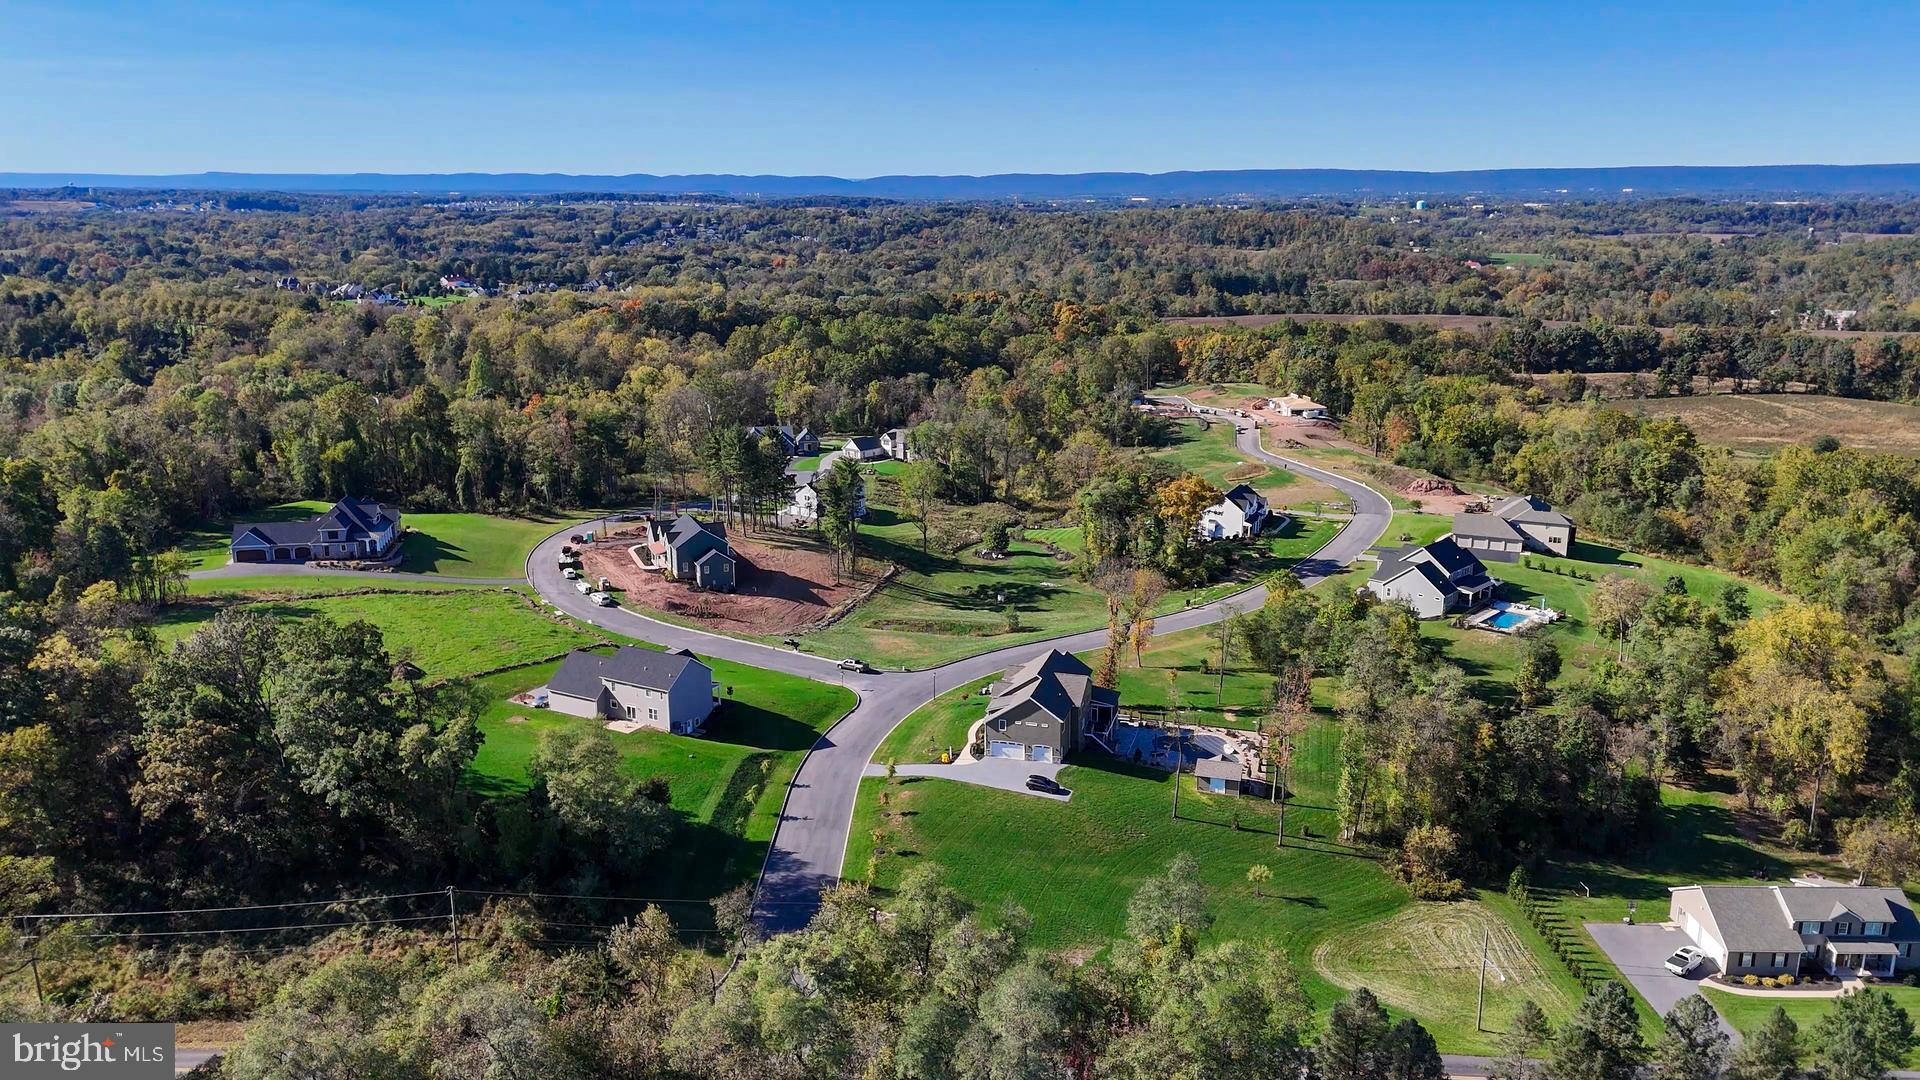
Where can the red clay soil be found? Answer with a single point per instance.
(782, 588)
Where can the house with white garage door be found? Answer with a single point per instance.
(1047, 708)
(1811, 925)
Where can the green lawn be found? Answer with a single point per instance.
(298, 586)
(455, 545)
(937, 727)
(1072, 866)
(447, 632)
(943, 607)
(730, 781)
(1747, 1013)
(1210, 452)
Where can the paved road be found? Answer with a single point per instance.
(233, 570)
(810, 842)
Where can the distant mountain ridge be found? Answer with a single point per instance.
(1891, 179)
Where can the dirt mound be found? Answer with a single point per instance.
(1432, 486)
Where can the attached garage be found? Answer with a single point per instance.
(1039, 753)
(1013, 750)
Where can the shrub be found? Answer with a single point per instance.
(1795, 834)
(1750, 980)
(1429, 859)
(1768, 982)
(1785, 980)
(1517, 885)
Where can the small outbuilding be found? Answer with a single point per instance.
(1219, 775)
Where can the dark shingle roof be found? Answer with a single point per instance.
(1242, 496)
(580, 673)
(356, 518)
(1053, 680)
(1452, 558)
(1529, 508)
(862, 443)
(1750, 918)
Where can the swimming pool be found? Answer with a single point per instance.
(1507, 620)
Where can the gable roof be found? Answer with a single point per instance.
(580, 673)
(1451, 557)
(1243, 496)
(685, 528)
(1484, 527)
(1055, 681)
(1391, 569)
(862, 443)
(357, 519)
(1532, 510)
(1296, 401)
(1749, 918)
(1824, 903)
(1223, 768)
(1766, 918)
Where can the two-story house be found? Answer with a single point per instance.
(803, 504)
(349, 529)
(794, 442)
(898, 443)
(667, 691)
(1797, 929)
(1434, 579)
(1047, 708)
(692, 550)
(1240, 514)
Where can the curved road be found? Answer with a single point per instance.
(811, 840)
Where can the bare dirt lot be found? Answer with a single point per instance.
(784, 585)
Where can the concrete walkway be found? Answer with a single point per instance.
(810, 842)
(1004, 774)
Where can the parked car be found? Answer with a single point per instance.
(575, 538)
(605, 584)
(583, 587)
(570, 573)
(850, 664)
(1045, 785)
(602, 599)
(1685, 959)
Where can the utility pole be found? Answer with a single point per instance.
(1480, 1002)
(33, 961)
(453, 923)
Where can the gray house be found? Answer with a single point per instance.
(349, 529)
(1219, 775)
(1434, 580)
(1047, 708)
(692, 550)
(667, 691)
(1810, 926)
(1521, 523)
(794, 442)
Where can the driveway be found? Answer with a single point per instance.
(1004, 774)
(1640, 952)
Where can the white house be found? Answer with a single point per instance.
(667, 691)
(865, 448)
(803, 506)
(1241, 513)
(898, 443)
(1297, 406)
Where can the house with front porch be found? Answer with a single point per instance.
(1240, 514)
(349, 529)
(1047, 708)
(1435, 579)
(1806, 927)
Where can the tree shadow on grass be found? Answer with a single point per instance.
(422, 553)
(738, 722)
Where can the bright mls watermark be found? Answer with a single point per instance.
(121, 1051)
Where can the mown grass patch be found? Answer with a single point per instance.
(1747, 1013)
(936, 728)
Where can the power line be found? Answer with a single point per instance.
(237, 907)
(268, 929)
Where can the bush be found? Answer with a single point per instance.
(1750, 980)
(1795, 834)
(1785, 980)
(1517, 885)
(1768, 982)
(1429, 859)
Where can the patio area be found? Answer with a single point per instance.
(1507, 617)
(1151, 744)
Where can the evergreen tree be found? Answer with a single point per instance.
(1602, 1039)
(1769, 1052)
(1526, 1036)
(1864, 1037)
(1694, 1046)
(1349, 1048)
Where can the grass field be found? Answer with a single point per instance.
(943, 607)
(937, 727)
(1071, 867)
(1210, 452)
(1757, 423)
(730, 781)
(455, 545)
(447, 632)
(1746, 1013)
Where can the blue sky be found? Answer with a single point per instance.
(867, 89)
